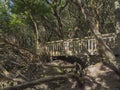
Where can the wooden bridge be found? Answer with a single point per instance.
(77, 46)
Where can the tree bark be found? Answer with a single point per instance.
(117, 17)
(36, 34)
(43, 80)
(57, 15)
(94, 27)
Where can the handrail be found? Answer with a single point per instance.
(77, 46)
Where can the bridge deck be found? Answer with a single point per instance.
(78, 46)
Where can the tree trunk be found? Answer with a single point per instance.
(112, 61)
(43, 80)
(59, 23)
(94, 27)
(36, 34)
(117, 16)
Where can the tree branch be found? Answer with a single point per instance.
(63, 7)
(43, 80)
(14, 45)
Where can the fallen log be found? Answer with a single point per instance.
(43, 80)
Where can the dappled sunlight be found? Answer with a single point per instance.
(59, 45)
(99, 77)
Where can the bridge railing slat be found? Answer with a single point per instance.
(76, 46)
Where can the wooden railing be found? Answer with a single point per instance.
(78, 46)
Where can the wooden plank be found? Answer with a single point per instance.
(75, 46)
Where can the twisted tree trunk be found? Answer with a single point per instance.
(94, 23)
(36, 34)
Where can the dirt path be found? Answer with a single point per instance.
(100, 77)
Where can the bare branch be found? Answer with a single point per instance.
(63, 7)
(14, 45)
(43, 80)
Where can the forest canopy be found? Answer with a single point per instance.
(28, 27)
